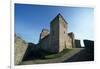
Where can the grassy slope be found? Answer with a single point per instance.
(52, 56)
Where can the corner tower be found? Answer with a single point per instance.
(44, 33)
(58, 31)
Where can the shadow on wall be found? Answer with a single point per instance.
(89, 45)
(34, 52)
(78, 43)
(84, 55)
(30, 52)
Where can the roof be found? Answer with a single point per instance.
(58, 16)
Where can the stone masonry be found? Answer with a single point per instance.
(58, 38)
(54, 40)
(20, 49)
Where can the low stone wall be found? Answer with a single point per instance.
(30, 52)
(20, 47)
(88, 43)
(77, 43)
(89, 46)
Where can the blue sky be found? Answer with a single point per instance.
(30, 19)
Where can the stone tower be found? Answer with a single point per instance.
(44, 39)
(58, 30)
(44, 33)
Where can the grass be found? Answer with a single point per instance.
(51, 56)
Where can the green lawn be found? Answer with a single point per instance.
(51, 56)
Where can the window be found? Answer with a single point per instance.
(64, 32)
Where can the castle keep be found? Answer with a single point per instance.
(54, 40)
(58, 37)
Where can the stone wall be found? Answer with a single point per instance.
(70, 41)
(62, 33)
(44, 43)
(20, 47)
(88, 43)
(44, 33)
(77, 43)
(54, 35)
(58, 38)
(89, 46)
(30, 52)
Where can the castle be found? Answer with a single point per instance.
(58, 38)
(54, 40)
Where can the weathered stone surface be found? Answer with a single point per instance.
(54, 41)
(20, 47)
(30, 52)
(44, 33)
(44, 43)
(70, 41)
(88, 43)
(54, 35)
(58, 38)
(77, 43)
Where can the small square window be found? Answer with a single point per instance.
(64, 32)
